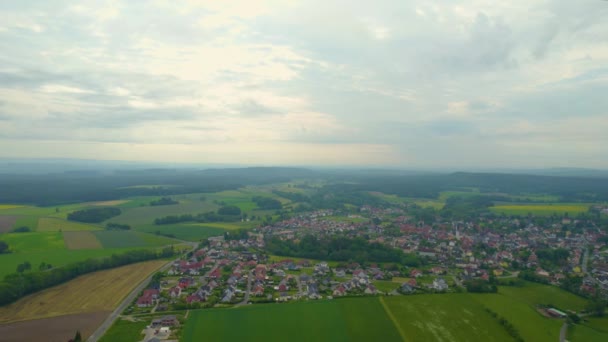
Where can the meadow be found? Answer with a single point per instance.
(546, 209)
(125, 331)
(81, 240)
(99, 291)
(361, 319)
(47, 224)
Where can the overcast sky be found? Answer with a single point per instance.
(413, 84)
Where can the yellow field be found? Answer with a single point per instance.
(99, 291)
(109, 203)
(46, 224)
(81, 240)
(9, 206)
(541, 209)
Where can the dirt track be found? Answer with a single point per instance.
(56, 329)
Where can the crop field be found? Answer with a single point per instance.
(9, 206)
(186, 232)
(109, 203)
(530, 324)
(59, 328)
(81, 240)
(585, 333)
(125, 239)
(541, 209)
(46, 224)
(537, 294)
(99, 291)
(453, 317)
(125, 331)
(6, 223)
(225, 225)
(361, 319)
(33, 242)
(147, 214)
(386, 285)
(26, 221)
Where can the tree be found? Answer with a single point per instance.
(26, 266)
(77, 338)
(4, 247)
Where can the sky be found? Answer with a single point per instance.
(385, 83)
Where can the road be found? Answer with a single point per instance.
(247, 291)
(563, 332)
(103, 328)
(123, 305)
(585, 260)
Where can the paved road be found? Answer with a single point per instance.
(247, 291)
(128, 299)
(585, 260)
(562, 332)
(123, 305)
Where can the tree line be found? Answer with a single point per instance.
(22, 283)
(339, 249)
(230, 213)
(94, 215)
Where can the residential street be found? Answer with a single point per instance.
(247, 291)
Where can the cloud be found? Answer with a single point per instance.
(465, 83)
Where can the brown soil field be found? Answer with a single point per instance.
(95, 292)
(110, 203)
(6, 223)
(56, 329)
(81, 240)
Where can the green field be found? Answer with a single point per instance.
(361, 319)
(46, 224)
(125, 239)
(145, 215)
(547, 209)
(33, 242)
(26, 221)
(125, 331)
(538, 294)
(188, 232)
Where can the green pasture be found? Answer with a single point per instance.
(33, 242)
(538, 294)
(47, 224)
(361, 319)
(446, 317)
(126, 239)
(26, 221)
(145, 215)
(125, 331)
(187, 232)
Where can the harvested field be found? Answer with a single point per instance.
(6, 223)
(110, 203)
(56, 329)
(95, 292)
(81, 240)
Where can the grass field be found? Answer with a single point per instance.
(9, 206)
(27, 221)
(187, 232)
(386, 285)
(46, 224)
(541, 209)
(81, 240)
(537, 294)
(125, 239)
(125, 331)
(145, 215)
(7, 223)
(99, 291)
(33, 242)
(361, 319)
(453, 317)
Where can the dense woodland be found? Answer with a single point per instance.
(70, 187)
(94, 215)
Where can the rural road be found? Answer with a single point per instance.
(103, 328)
(562, 332)
(247, 291)
(123, 305)
(585, 260)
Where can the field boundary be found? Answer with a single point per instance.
(392, 318)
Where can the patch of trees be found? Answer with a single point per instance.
(462, 207)
(267, 203)
(229, 213)
(22, 283)
(229, 210)
(292, 196)
(480, 286)
(557, 256)
(531, 276)
(158, 232)
(240, 234)
(117, 226)
(164, 201)
(510, 328)
(339, 249)
(22, 229)
(4, 248)
(94, 215)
